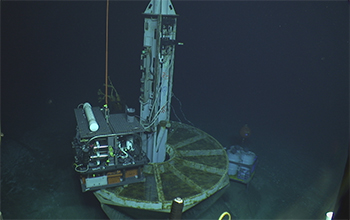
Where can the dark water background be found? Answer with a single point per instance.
(280, 67)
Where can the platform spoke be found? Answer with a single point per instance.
(203, 167)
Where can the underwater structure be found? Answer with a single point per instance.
(142, 163)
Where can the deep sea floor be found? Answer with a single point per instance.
(38, 180)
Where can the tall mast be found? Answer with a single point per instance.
(157, 67)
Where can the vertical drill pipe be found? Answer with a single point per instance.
(106, 76)
(176, 209)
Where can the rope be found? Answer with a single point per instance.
(106, 75)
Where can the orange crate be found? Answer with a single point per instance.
(114, 177)
(131, 173)
(83, 179)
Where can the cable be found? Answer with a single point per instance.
(77, 166)
(155, 117)
(174, 112)
(106, 74)
(183, 114)
(155, 101)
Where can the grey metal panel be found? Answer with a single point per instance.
(120, 124)
(83, 124)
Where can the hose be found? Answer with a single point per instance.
(224, 214)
